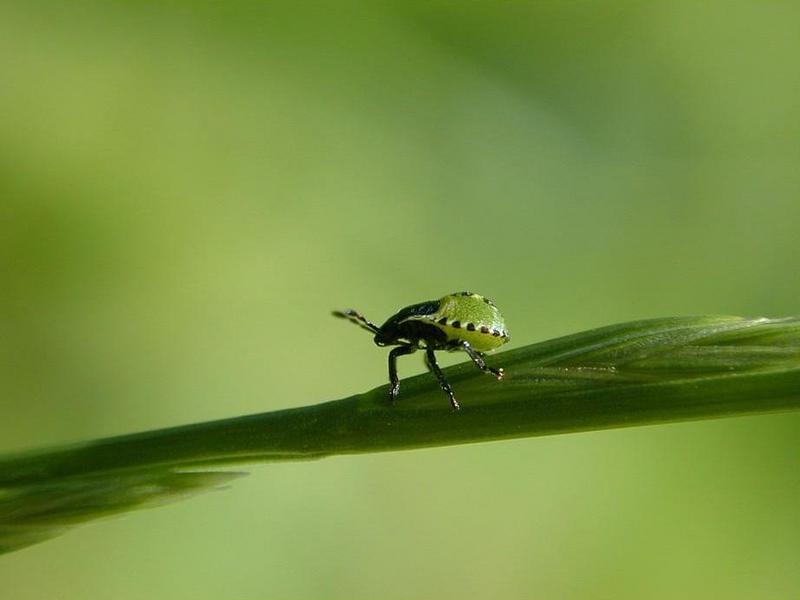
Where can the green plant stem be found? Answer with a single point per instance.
(633, 374)
(639, 373)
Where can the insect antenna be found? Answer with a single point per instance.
(357, 318)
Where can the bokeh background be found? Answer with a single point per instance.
(188, 188)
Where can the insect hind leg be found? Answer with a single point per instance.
(477, 358)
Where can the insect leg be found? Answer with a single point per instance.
(437, 372)
(477, 358)
(394, 381)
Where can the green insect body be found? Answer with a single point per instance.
(460, 321)
(471, 318)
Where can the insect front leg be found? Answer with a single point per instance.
(477, 358)
(394, 381)
(437, 372)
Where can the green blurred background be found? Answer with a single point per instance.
(187, 190)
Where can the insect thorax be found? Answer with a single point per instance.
(412, 331)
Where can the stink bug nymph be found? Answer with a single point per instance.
(460, 321)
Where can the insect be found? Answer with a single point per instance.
(459, 321)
